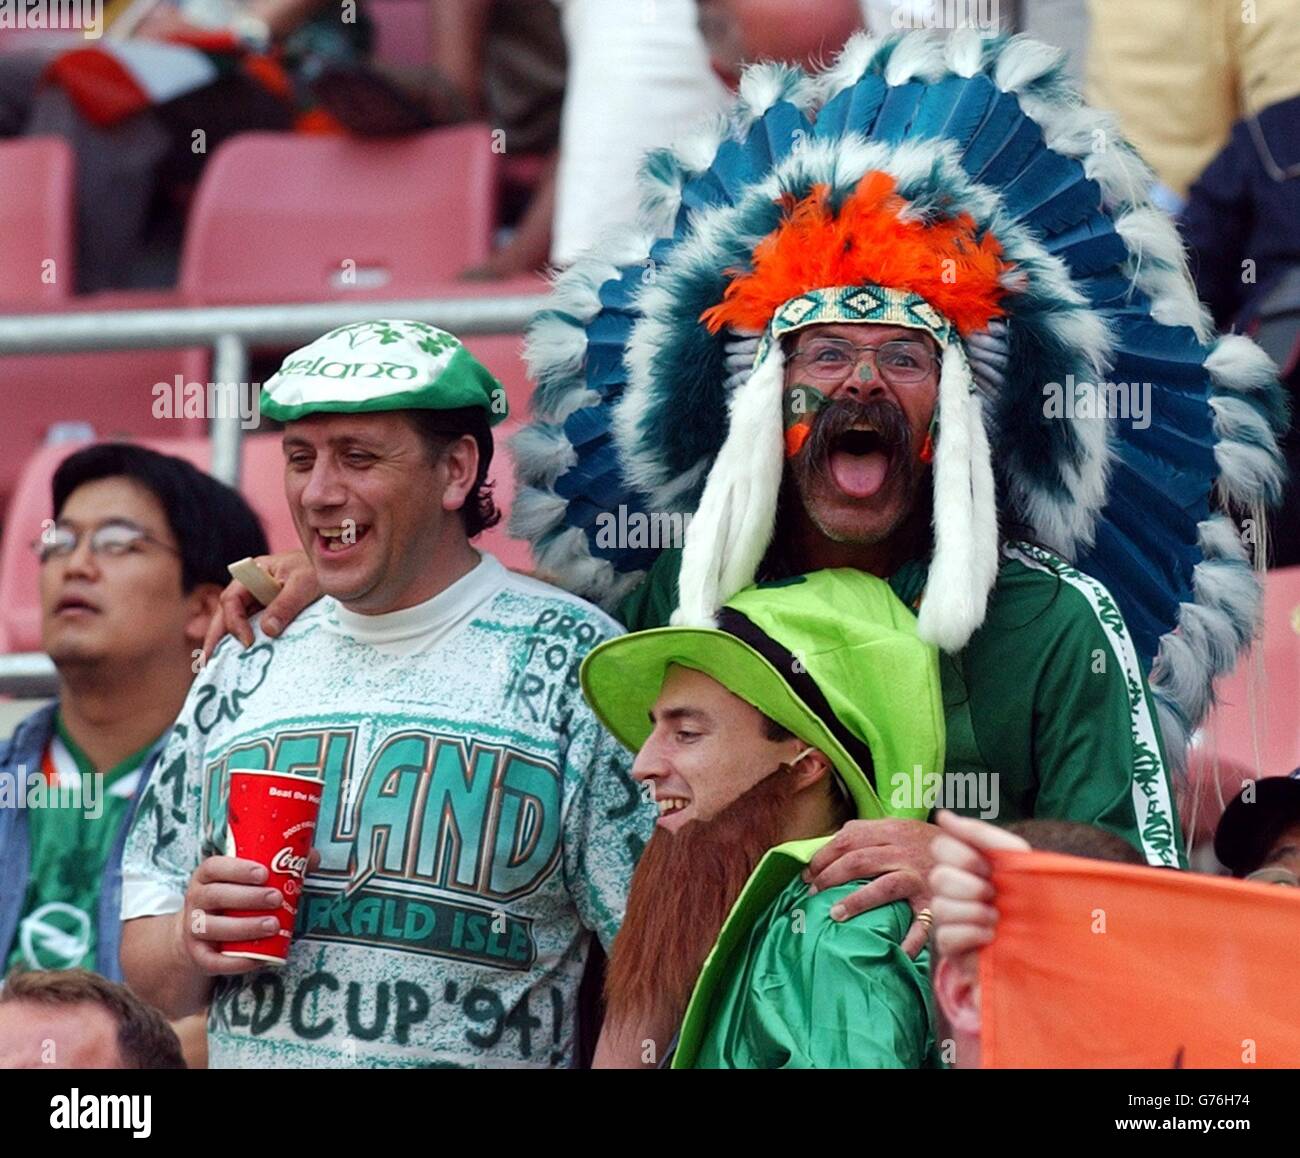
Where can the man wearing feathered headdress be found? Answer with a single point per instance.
(915, 315)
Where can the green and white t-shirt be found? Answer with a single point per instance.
(476, 823)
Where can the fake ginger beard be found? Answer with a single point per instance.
(682, 890)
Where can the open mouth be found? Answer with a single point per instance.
(670, 804)
(338, 540)
(860, 460)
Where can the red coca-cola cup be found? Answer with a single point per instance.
(272, 820)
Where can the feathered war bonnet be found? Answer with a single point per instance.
(867, 261)
(983, 188)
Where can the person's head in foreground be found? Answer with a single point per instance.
(74, 1019)
(964, 915)
(1259, 835)
(797, 712)
(134, 560)
(387, 444)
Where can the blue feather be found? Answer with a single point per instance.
(1116, 292)
(618, 292)
(1088, 248)
(1014, 155)
(1188, 490)
(1149, 608)
(974, 100)
(785, 129)
(935, 108)
(999, 124)
(701, 191)
(607, 337)
(731, 170)
(854, 110)
(1166, 531)
(1051, 193)
(896, 113)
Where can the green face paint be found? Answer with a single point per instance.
(802, 402)
(865, 372)
(799, 408)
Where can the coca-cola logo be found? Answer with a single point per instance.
(285, 863)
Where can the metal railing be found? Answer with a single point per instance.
(232, 332)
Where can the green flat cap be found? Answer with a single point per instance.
(379, 366)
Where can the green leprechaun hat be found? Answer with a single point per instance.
(832, 656)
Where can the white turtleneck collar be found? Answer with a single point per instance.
(427, 623)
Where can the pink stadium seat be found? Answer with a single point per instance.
(283, 217)
(402, 34)
(262, 483)
(110, 392)
(36, 222)
(1268, 715)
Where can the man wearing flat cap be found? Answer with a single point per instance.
(477, 824)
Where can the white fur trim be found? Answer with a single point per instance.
(1158, 266)
(965, 561)
(917, 57)
(733, 526)
(668, 496)
(766, 84)
(1235, 418)
(855, 58)
(1182, 676)
(534, 512)
(1237, 363)
(542, 453)
(964, 51)
(696, 149)
(572, 401)
(1024, 61)
(1247, 473)
(555, 345)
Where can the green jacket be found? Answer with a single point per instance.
(785, 987)
(1047, 703)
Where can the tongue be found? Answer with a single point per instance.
(859, 475)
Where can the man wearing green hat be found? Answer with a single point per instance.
(810, 703)
(477, 823)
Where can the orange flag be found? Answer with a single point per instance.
(1101, 964)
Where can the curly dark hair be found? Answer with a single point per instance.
(439, 429)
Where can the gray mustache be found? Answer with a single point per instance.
(839, 417)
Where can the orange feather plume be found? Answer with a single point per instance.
(868, 242)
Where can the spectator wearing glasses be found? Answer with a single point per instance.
(131, 566)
